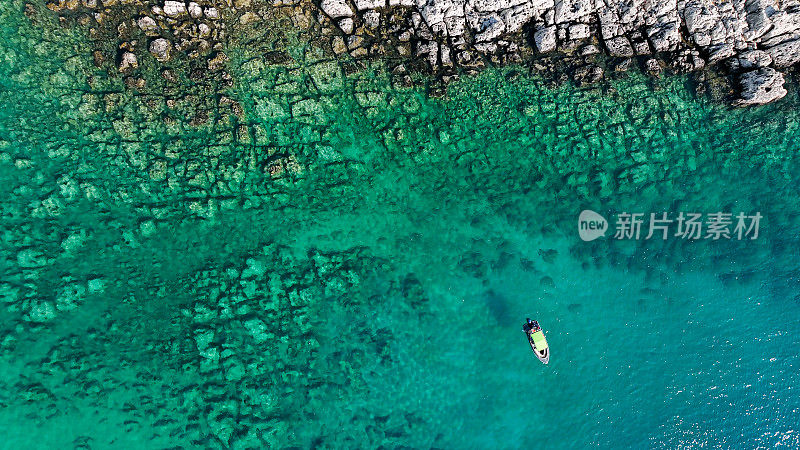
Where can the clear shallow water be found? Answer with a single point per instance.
(164, 285)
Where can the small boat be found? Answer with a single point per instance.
(538, 342)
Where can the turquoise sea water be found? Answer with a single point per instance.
(349, 264)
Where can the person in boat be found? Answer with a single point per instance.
(531, 326)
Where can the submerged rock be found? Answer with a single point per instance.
(160, 49)
(128, 62)
(148, 25)
(174, 9)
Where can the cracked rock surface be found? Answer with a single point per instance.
(447, 38)
(686, 35)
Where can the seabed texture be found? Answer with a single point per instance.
(326, 259)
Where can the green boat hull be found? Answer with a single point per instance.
(539, 346)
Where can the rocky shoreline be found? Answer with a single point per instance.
(752, 40)
(741, 49)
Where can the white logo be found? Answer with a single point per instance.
(591, 225)
(686, 225)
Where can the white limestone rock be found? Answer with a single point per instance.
(336, 8)
(545, 39)
(174, 9)
(211, 13)
(785, 25)
(665, 37)
(610, 26)
(490, 28)
(195, 10)
(572, 10)
(495, 5)
(161, 49)
(589, 49)
(785, 54)
(518, 16)
(579, 31)
(204, 30)
(148, 25)
(761, 86)
(720, 52)
(372, 19)
(699, 18)
(362, 5)
(346, 25)
(753, 59)
(128, 62)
